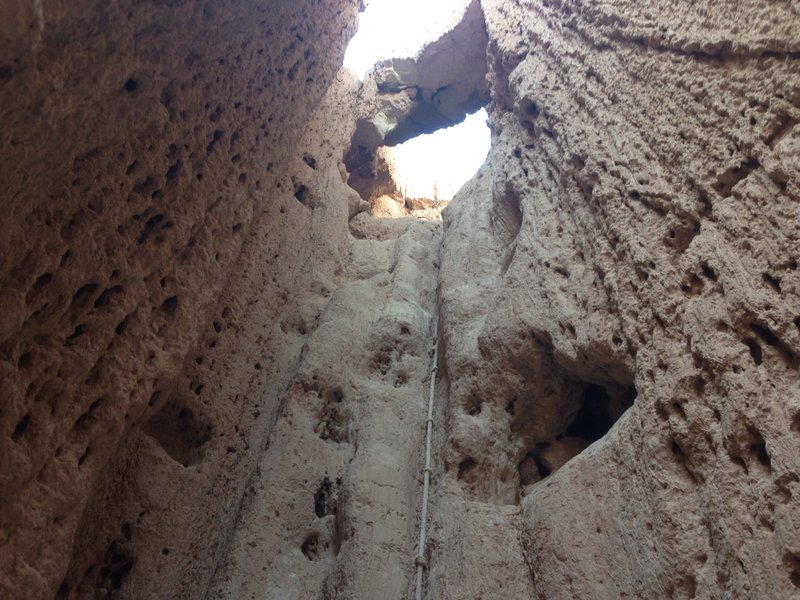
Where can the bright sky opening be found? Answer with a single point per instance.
(438, 164)
(429, 165)
(398, 29)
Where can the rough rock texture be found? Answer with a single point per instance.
(214, 358)
(332, 510)
(372, 172)
(635, 232)
(152, 237)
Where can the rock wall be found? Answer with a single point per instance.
(332, 508)
(155, 229)
(214, 360)
(632, 241)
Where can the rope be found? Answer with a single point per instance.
(419, 559)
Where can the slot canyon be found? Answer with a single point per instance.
(218, 313)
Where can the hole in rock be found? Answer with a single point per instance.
(598, 412)
(313, 547)
(170, 305)
(708, 271)
(83, 294)
(758, 449)
(301, 192)
(544, 470)
(21, 427)
(473, 406)
(428, 135)
(24, 360)
(768, 337)
(84, 456)
(78, 332)
(773, 282)
(180, 432)
(791, 562)
(466, 467)
(115, 567)
(755, 350)
(388, 28)
(511, 407)
(42, 281)
(597, 408)
(325, 498)
(424, 171)
(122, 325)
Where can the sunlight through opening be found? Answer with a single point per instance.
(398, 29)
(433, 166)
(436, 165)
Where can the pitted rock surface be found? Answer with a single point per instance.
(214, 352)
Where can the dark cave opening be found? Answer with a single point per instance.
(600, 407)
(599, 411)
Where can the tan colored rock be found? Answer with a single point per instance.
(214, 353)
(386, 206)
(633, 233)
(372, 172)
(152, 237)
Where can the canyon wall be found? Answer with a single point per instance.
(214, 358)
(632, 243)
(155, 229)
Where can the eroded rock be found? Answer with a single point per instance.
(215, 359)
(651, 253)
(150, 229)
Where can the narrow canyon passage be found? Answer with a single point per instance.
(218, 303)
(333, 510)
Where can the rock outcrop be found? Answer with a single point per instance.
(631, 242)
(153, 235)
(214, 353)
(331, 511)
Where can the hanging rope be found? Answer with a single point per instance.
(419, 560)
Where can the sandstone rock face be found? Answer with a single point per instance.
(214, 353)
(153, 235)
(633, 241)
(331, 511)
